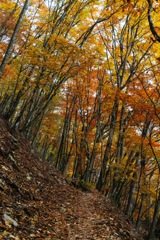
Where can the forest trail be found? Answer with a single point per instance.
(95, 218)
(38, 203)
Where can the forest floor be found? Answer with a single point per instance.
(36, 202)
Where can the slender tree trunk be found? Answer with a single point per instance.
(151, 234)
(13, 38)
(131, 200)
(90, 163)
(102, 178)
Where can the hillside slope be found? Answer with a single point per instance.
(36, 202)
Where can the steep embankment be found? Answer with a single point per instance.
(37, 203)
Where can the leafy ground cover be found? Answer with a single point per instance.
(36, 202)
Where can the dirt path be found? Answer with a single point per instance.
(95, 218)
(45, 206)
(89, 222)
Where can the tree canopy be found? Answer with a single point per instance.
(81, 80)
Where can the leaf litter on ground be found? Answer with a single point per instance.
(37, 202)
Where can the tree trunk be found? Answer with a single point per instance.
(102, 178)
(13, 38)
(153, 231)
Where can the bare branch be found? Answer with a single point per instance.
(152, 28)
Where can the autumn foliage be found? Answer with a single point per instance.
(81, 80)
